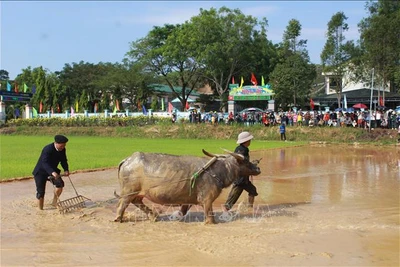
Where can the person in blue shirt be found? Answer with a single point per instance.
(282, 130)
(47, 169)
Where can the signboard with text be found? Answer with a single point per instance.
(249, 93)
(12, 96)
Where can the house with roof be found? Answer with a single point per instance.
(354, 92)
(165, 95)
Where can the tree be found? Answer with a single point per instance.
(127, 81)
(226, 43)
(4, 75)
(380, 41)
(78, 84)
(293, 76)
(26, 77)
(39, 78)
(336, 55)
(163, 52)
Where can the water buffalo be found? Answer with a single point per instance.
(166, 179)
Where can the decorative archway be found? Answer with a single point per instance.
(250, 93)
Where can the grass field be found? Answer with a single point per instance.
(19, 153)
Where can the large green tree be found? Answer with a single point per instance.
(167, 54)
(293, 76)
(336, 54)
(79, 86)
(380, 41)
(127, 82)
(226, 43)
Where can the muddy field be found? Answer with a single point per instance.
(311, 211)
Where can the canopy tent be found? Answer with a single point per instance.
(360, 105)
(176, 100)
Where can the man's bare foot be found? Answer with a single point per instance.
(54, 204)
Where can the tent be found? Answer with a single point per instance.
(176, 100)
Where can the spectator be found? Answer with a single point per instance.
(282, 130)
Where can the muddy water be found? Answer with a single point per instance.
(317, 206)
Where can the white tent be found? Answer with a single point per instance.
(176, 100)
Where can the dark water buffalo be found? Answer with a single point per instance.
(166, 179)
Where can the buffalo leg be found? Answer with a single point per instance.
(208, 213)
(123, 203)
(138, 202)
(185, 209)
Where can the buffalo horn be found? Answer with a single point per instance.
(212, 155)
(257, 161)
(235, 155)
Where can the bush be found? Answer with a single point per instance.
(88, 121)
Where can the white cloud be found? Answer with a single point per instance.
(160, 15)
(259, 11)
(157, 16)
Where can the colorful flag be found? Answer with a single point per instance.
(144, 110)
(241, 82)
(95, 107)
(381, 102)
(25, 88)
(187, 104)
(262, 81)
(8, 86)
(162, 103)
(17, 113)
(16, 87)
(233, 80)
(33, 89)
(117, 104)
(311, 104)
(253, 79)
(170, 107)
(41, 107)
(34, 112)
(76, 106)
(72, 111)
(344, 101)
(52, 110)
(115, 110)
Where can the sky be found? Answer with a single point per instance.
(54, 33)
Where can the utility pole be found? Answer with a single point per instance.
(370, 102)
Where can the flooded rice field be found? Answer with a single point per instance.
(317, 206)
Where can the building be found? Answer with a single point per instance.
(355, 92)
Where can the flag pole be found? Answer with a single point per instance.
(370, 102)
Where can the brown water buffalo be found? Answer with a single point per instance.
(166, 179)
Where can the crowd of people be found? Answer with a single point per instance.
(389, 119)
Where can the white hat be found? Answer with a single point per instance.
(244, 137)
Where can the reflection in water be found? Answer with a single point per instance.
(355, 189)
(329, 175)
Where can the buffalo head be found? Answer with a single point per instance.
(247, 168)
